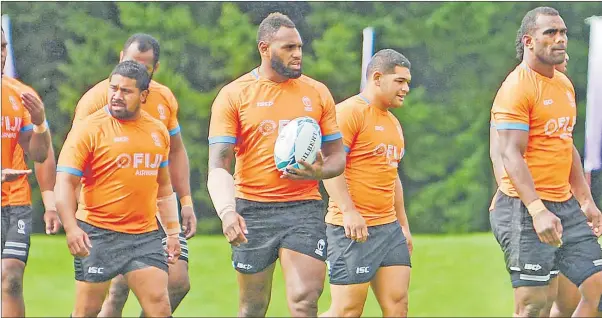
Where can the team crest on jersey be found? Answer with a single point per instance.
(267, 127)
(307, 103)
(161, 110)
(571, 99)
(156, 139)
(13, 103)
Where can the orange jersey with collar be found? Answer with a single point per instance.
(119, 161)
(546, 108)
(15, 120)
(373, 140)
(250, 112)
(160, 103)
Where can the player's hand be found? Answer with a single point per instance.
(188, 221)
(548, 228)
(35, 107)
(594, 217)
(12, 174)
(52, 221)
(78, 242)
(311, 172)
(408, 235)
(173, 248)
(355, 226)
(234, 228)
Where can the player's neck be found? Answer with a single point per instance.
(370, 96)
(268, 73)
(539, 67)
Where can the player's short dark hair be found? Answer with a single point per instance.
(385, 61)
(528, 24)
(133, 70)
(271, 24)
(145, 42)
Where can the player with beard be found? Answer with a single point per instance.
(539, 214)
(267, 215)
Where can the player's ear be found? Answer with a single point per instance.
(376, 77)
(527, 41)
(143, 96)
(264, 48)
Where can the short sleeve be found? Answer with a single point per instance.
(328, 122)
(512, 106)
(75, 153)
(165, 161)
(224, 123)
(173, 125)
(93, 100)
(349, 123)
(26, 123)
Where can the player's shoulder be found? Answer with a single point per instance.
(158, 88)
(314, 84)
(92, 122)
(18, 86)
(563, 79)
(151, 122)
(520, 80)
(101, 86)
(354, 104)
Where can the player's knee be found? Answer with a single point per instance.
(347, 310)
(86, 310)
(532, 304)
(179, 286)
(256, 307)
(396, 306)
(118, 294)
(12, 281)
(305, 300)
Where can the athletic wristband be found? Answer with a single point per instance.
(40, 129)
(49, 200)
(220, 184)
(536, 207)
(168, 214)
(186, 200)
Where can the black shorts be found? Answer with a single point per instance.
(298, 226)
(16, 232)
(114, 253)
(183, 243)
(350, 262)
(528, 260)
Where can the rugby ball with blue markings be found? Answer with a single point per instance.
(300, 139)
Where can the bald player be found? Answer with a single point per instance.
(120, 154)
(23, 127)
(366, 218)
(540, 212)
(163, 106)
(267, 215)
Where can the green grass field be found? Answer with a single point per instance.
(451, 276)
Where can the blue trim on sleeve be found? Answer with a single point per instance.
(69, 170)
(222, 139)
(175, 131)
(27, 128)
(164, 164)
(512, 126)
(347, 150)
(332, 137)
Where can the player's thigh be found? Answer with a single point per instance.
(580, 255)
(568, 295)
(348, 300)
(256, 288)
(390, 285)
(89, 297)
(16, 232)
(528, 260)
(148, 283)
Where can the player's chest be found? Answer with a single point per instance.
(266, 113)
(131, 148)
(12, 115)
(555, 112)
(380, 138)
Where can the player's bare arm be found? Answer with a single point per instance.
(179, 170)
(583, 194)
(330, 162)
(353, 222)
(35, 143)
(46, 176)
(494, 154)
(65, 190)
(168, 214)
(400, 211)
(513, 144)
(220, 184)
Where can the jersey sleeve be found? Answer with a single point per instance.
(75, 153)
(349, 123)
(512, 106)
(328, 122)
(173, 125)
(93, 100)
(224, 123)
(26, 124)
(166, 137)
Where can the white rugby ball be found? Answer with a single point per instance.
(300, 139)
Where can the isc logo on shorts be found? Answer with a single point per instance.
(243, 266)
(95, 270)
(362, 270)
(532, 267)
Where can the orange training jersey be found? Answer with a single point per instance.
(118, 161)
(374, 144)
(250, 112)
(160, 103)
(15, 119)
(545, 107)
